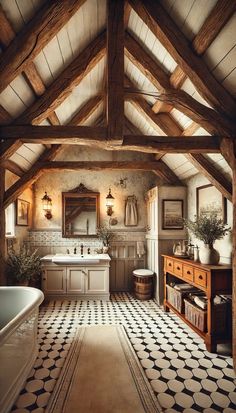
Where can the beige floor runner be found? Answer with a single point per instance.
(102, 375)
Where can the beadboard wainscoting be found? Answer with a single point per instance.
(124, 260)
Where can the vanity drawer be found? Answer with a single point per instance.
(169, 265)
(178, 268)
(200, 277)
(188, 272)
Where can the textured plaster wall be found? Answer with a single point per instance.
(21, 232)
(224, 246)
(55, 183)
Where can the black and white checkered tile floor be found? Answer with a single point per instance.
(185, 377)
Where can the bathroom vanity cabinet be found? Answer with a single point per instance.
(76, 281)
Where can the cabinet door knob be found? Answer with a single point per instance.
(178, 268)
(188, 272)
(169, 264)
(200, 277)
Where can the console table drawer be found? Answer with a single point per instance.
(188, 272)
(169, 265)
(200, 277)
(178, 268)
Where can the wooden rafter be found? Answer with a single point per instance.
(30, 73)
(115, 70)
(34, 36)
(58, 91)
(5, 117)
(208, 118)
(171, 37)
(12, 167)
(211, 27)
(100, 165)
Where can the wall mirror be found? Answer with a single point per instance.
(80, 213)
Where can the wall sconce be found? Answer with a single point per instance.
(47, 206)
(109, 203)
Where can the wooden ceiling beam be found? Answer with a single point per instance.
(191, 129)
(208, 118)
(115, 70)
(206, 168)
(172, 144)
(34, 36)
(174, 41)
(100, 165)
(86, 110)
(12, 167)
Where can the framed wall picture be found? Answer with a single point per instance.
(208, 199)
(22, 212)
(172, 214)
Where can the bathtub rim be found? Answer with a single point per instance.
(37, 299)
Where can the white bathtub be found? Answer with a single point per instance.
(18, 339)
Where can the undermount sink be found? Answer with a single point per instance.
(76, 259)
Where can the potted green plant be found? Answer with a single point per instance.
(23, 267)
(207, 228)
(106, 236)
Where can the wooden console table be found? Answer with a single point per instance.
(212, 279)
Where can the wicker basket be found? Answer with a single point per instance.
(198, 317)
(195, 315)
(175, 298)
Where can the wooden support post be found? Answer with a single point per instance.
(234, 263)
(115, 70)
(2, 228)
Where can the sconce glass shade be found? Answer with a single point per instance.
(109, 203)
(47, 206)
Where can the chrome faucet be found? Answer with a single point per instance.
(81, 249)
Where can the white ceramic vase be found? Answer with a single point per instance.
(208, 255)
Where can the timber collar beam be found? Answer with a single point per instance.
(86, 135)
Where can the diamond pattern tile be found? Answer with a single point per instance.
(183, 374)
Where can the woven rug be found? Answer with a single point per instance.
(102, 375)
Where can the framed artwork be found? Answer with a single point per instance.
(172, 214)
(22, 212)
(209, 198)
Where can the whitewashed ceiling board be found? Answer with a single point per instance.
(11, 102)
(43, 68)
(52, 53)
(174, 160)
(182, 119)
(26, 9)
(37, 148)
(90, 86)
(222, 45)
(230, 83)
(140, 81)
(189, 88)
(140, 121)
(201, 131)
(23, 90)
(189, 15)
(187, 174)
(220, 163)
(149, 42)
(27, 154)
(180, 165)
(13, 14)
(21, 161)
(65, 46)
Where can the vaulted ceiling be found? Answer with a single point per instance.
(138, 75)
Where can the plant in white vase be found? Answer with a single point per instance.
(208, 228)
(105, 235)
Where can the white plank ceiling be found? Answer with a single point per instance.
(81, 29)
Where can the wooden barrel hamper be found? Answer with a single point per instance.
(143, 284)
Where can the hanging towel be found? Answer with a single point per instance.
(140, 248)
(131, 213)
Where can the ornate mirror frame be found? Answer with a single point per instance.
(77, 193)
